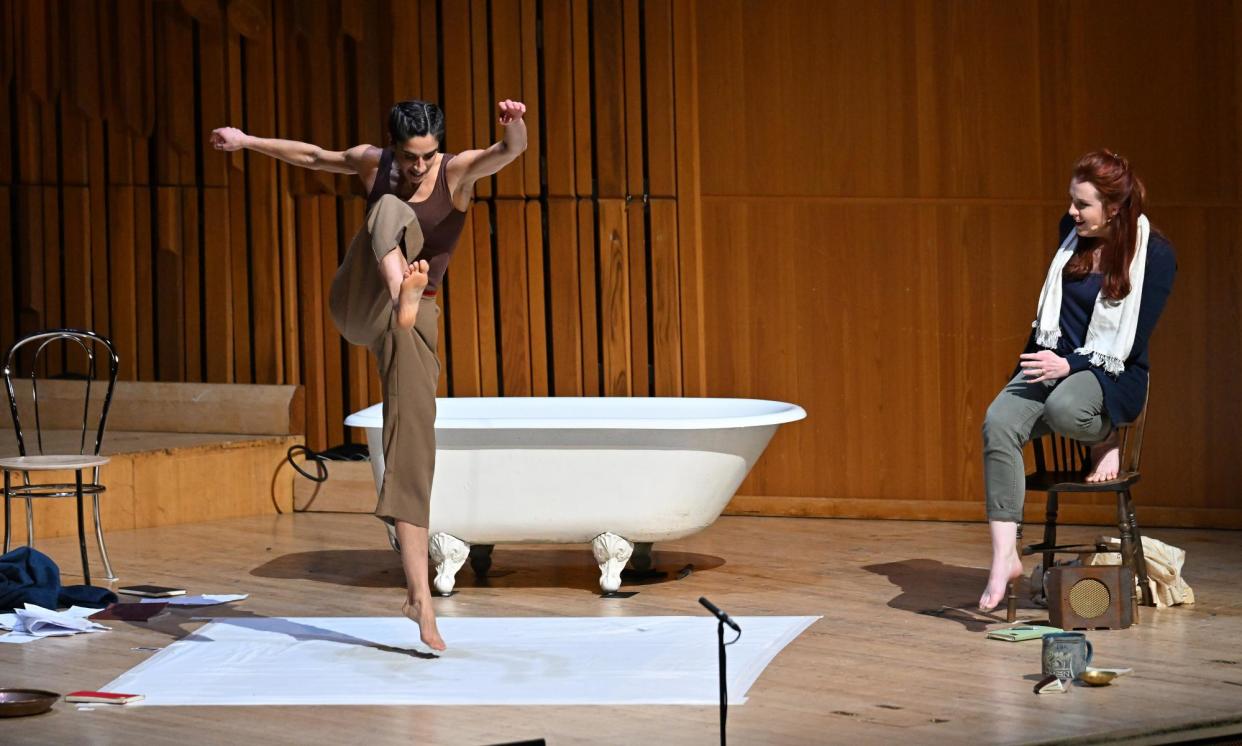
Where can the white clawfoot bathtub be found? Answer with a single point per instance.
(620, 473)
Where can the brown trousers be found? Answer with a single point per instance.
(362, 308)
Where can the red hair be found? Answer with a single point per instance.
(1119, 187)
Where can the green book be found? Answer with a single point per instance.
(1022, 632)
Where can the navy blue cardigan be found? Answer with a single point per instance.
(1124, 394)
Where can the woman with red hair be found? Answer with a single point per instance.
(1084, 370)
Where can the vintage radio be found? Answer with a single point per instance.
(1090, 597)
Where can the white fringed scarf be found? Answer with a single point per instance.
(1110, 334)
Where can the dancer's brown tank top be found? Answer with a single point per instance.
(440, 222)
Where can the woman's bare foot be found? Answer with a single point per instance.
(1105, 459)
(413, 282)
(1003, 573)
(421, 613)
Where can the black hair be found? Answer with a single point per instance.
(415, 119)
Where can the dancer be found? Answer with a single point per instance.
(383, 294)
(1085, 368)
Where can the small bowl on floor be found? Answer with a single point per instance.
(1101, 676)
(19, 702)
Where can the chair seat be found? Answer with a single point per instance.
(1075, 481)
(51, 463)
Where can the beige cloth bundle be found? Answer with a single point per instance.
(1164, 569)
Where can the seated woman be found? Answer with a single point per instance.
(1085, 369)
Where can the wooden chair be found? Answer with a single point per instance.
(1061, 466)
(35, 455)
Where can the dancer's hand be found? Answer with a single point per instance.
(1044, 365)
(228, 139)
(511, 111)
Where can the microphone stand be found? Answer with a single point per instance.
(722, 619)
(724, 690)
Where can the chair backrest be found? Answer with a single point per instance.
(17, 363)
(1065, 454)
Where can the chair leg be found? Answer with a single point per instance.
(8, 511)
(1139, 562)
(29, 522)
(103, 548)
(1050, 529)
(86, 566)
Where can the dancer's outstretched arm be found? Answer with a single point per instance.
(362, 160)
(471, 165)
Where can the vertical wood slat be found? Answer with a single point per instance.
(29, 259)
(665, 309)
(588, 296)
(563, 299)
(511, 288)
(170, 301)
(689, 215)
(458, 91)
(123, 279)
(659, 117)
(484, 107)
(614, 299)
(218, 341)
(489, 381)
(333, 388)
(310, 314)
(101, 288)
(634, 107)
(609, 100)
(638, 305)
(264, 234)
(191, 255)
(8, 322)
(507, 81)
(558, 111)
(463, 314)
(536, 294)
(584, 145)
(52, 296)
(531, 97)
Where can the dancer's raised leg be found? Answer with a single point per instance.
(417, 606)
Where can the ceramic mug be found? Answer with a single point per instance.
(1066, 654)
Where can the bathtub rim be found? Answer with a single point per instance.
(781, 413)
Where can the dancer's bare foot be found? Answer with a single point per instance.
(1003, 573)
(421, 613)
(1105, 459)
(413, 281)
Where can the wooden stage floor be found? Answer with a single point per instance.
(892, 660)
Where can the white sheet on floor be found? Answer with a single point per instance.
(491, 661)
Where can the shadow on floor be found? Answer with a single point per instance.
(511, 568)
(932, 588)
(176, 624)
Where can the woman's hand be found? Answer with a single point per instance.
(228, 139)
(511, 111)
(1044, 365)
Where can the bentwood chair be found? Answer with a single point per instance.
(1061, 466)
(42, 443)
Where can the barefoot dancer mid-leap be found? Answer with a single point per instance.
(1085, 368)
(383, 295)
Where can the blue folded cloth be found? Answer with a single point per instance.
(29, 576)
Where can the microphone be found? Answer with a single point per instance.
(719, 614)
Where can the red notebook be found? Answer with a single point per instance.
(111, 698)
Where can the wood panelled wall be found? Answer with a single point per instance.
(845, 204)
(880, 201)
(204, 266)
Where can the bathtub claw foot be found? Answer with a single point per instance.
(449, 553)
(611, 552)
